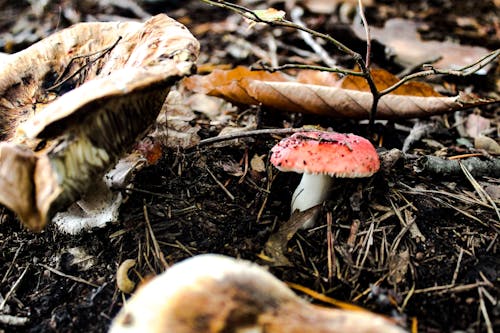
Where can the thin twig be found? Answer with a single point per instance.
(262, 66)
(252, 15)
(367, 33)
(457, 268)
(484, 311)
(11, 264)
(245, 134)
(450, 288)
(158, 253)
(330, 247)
(71, 277)
(326, 299)
(138, 190)
(296, 14)
(13, 288)
(480, 191)
(464, 71)
(229, 194)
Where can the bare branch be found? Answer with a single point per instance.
(464, 71)
(367, 33)
(364, 72)
(296, 14)
(302, 66)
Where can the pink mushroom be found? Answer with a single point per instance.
(320, 156)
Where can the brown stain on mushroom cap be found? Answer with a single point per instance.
(111, 91)
(319, 152)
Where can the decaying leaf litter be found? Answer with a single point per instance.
(405, 221)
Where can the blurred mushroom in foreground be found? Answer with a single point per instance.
(213, 293)
(72, 104)
(322, 156)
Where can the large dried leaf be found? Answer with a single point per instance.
(403, 41)
(278, 91)
(476, 125)
(383, 80)
(79, 100)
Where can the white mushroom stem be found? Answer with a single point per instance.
(312, 191)
(214, 294)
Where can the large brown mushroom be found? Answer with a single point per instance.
(214, 294)
(72, 104)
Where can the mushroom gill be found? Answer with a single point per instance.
(72, 104)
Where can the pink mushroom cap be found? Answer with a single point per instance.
(319, 152)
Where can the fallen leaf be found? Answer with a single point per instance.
(269, 14)
(257, 163)
(475, 125)
(276, 246)
(310, 76)
(279, 91)
(174, 126)
(230, 166)
(383, 80)
(398, 266)
(150, 149)
(230, 84)
(487, 144)
(402, 40)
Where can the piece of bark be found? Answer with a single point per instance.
(437, 166)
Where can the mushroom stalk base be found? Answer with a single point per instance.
(311, 191)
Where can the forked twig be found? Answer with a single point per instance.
(245, 134)
(367, 33)
(464, 71)
(279, 21)
(257, 17)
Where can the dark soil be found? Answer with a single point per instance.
(440, 281)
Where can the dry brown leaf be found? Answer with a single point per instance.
(320, 78)
(486, 143)
(275, 248)
(257, 163)
(398, 266)
(280, 92)
(79, 99)
(231, 84)
(401, 38)
(383, 80)
(174, 126)
(476, 125)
